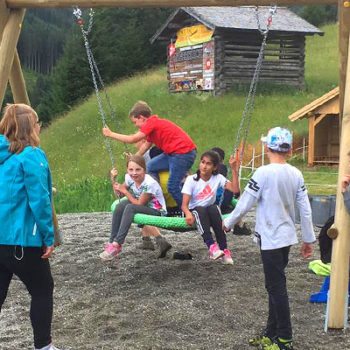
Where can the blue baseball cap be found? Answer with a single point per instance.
(278, 139)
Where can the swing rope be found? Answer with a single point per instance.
(96, 78)
(244, 126)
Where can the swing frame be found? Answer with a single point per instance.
(11, 16)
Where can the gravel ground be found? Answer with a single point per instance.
(141, 302)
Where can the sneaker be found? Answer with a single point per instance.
(215, 252)
(261, 341)
(146, 244)
(280, 344)
(227, 259)
(110, 252)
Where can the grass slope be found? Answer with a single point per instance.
(76, 149)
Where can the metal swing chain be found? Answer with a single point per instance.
(244, 126)
(95, 72)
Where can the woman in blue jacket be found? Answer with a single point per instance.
(26, 231)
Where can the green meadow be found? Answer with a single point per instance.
(77, 152)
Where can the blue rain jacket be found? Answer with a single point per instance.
(25, 197)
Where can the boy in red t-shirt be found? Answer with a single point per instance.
(179, 149)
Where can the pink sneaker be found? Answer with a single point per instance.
(111, 251)
(214, 252)
(227, 259)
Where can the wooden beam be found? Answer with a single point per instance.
(8, 46)
(159, 3)
(311, 148)
(341, 245)
(344, 31)
(17, 82)
(319, 118)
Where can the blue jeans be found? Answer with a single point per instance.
(178, 166)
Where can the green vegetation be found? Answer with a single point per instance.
(76, 149)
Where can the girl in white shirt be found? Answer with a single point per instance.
(143, 195)
(198, 205)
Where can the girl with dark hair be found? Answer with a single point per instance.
(143, 196)
(26, 235)
(199, 195)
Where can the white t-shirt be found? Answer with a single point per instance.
(276, 188)
(150, 186)
(203, 193)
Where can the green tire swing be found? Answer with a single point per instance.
(167, 222)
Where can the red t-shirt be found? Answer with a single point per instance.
(166, 135)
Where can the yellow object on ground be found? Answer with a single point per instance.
(319, 268)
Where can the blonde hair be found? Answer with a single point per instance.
(140, 108)
(17, 124)
(139, 160)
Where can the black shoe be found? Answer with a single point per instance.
(243, 230)
(182, 256)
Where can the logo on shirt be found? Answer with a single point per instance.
(206, 193)
(303, 188)
(253, 185)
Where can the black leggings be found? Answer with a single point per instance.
(207, 217)
(35, 273)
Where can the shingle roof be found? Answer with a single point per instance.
(244, 18)
(306, 110)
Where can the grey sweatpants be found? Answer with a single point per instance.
(123, 216)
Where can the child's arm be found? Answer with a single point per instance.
(113, 174)
(184, 207)
(345, 182)
(307, 229)
(143, 200)
(143, 148)
(345, 190)
(233, 186)
(245, 203)
(121, 137)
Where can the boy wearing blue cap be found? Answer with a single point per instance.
(276, 188)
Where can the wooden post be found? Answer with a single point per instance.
(341, 245)
(344, 30)
(8, 46)
(17, 81)
(311, 149)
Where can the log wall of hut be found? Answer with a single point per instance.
(237, 52)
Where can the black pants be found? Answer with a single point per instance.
(207, 217)
(35, 273)
(274, 263)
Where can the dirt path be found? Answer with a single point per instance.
(139, 302)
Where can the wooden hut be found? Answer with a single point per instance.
(323, 118)
(213, 48)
